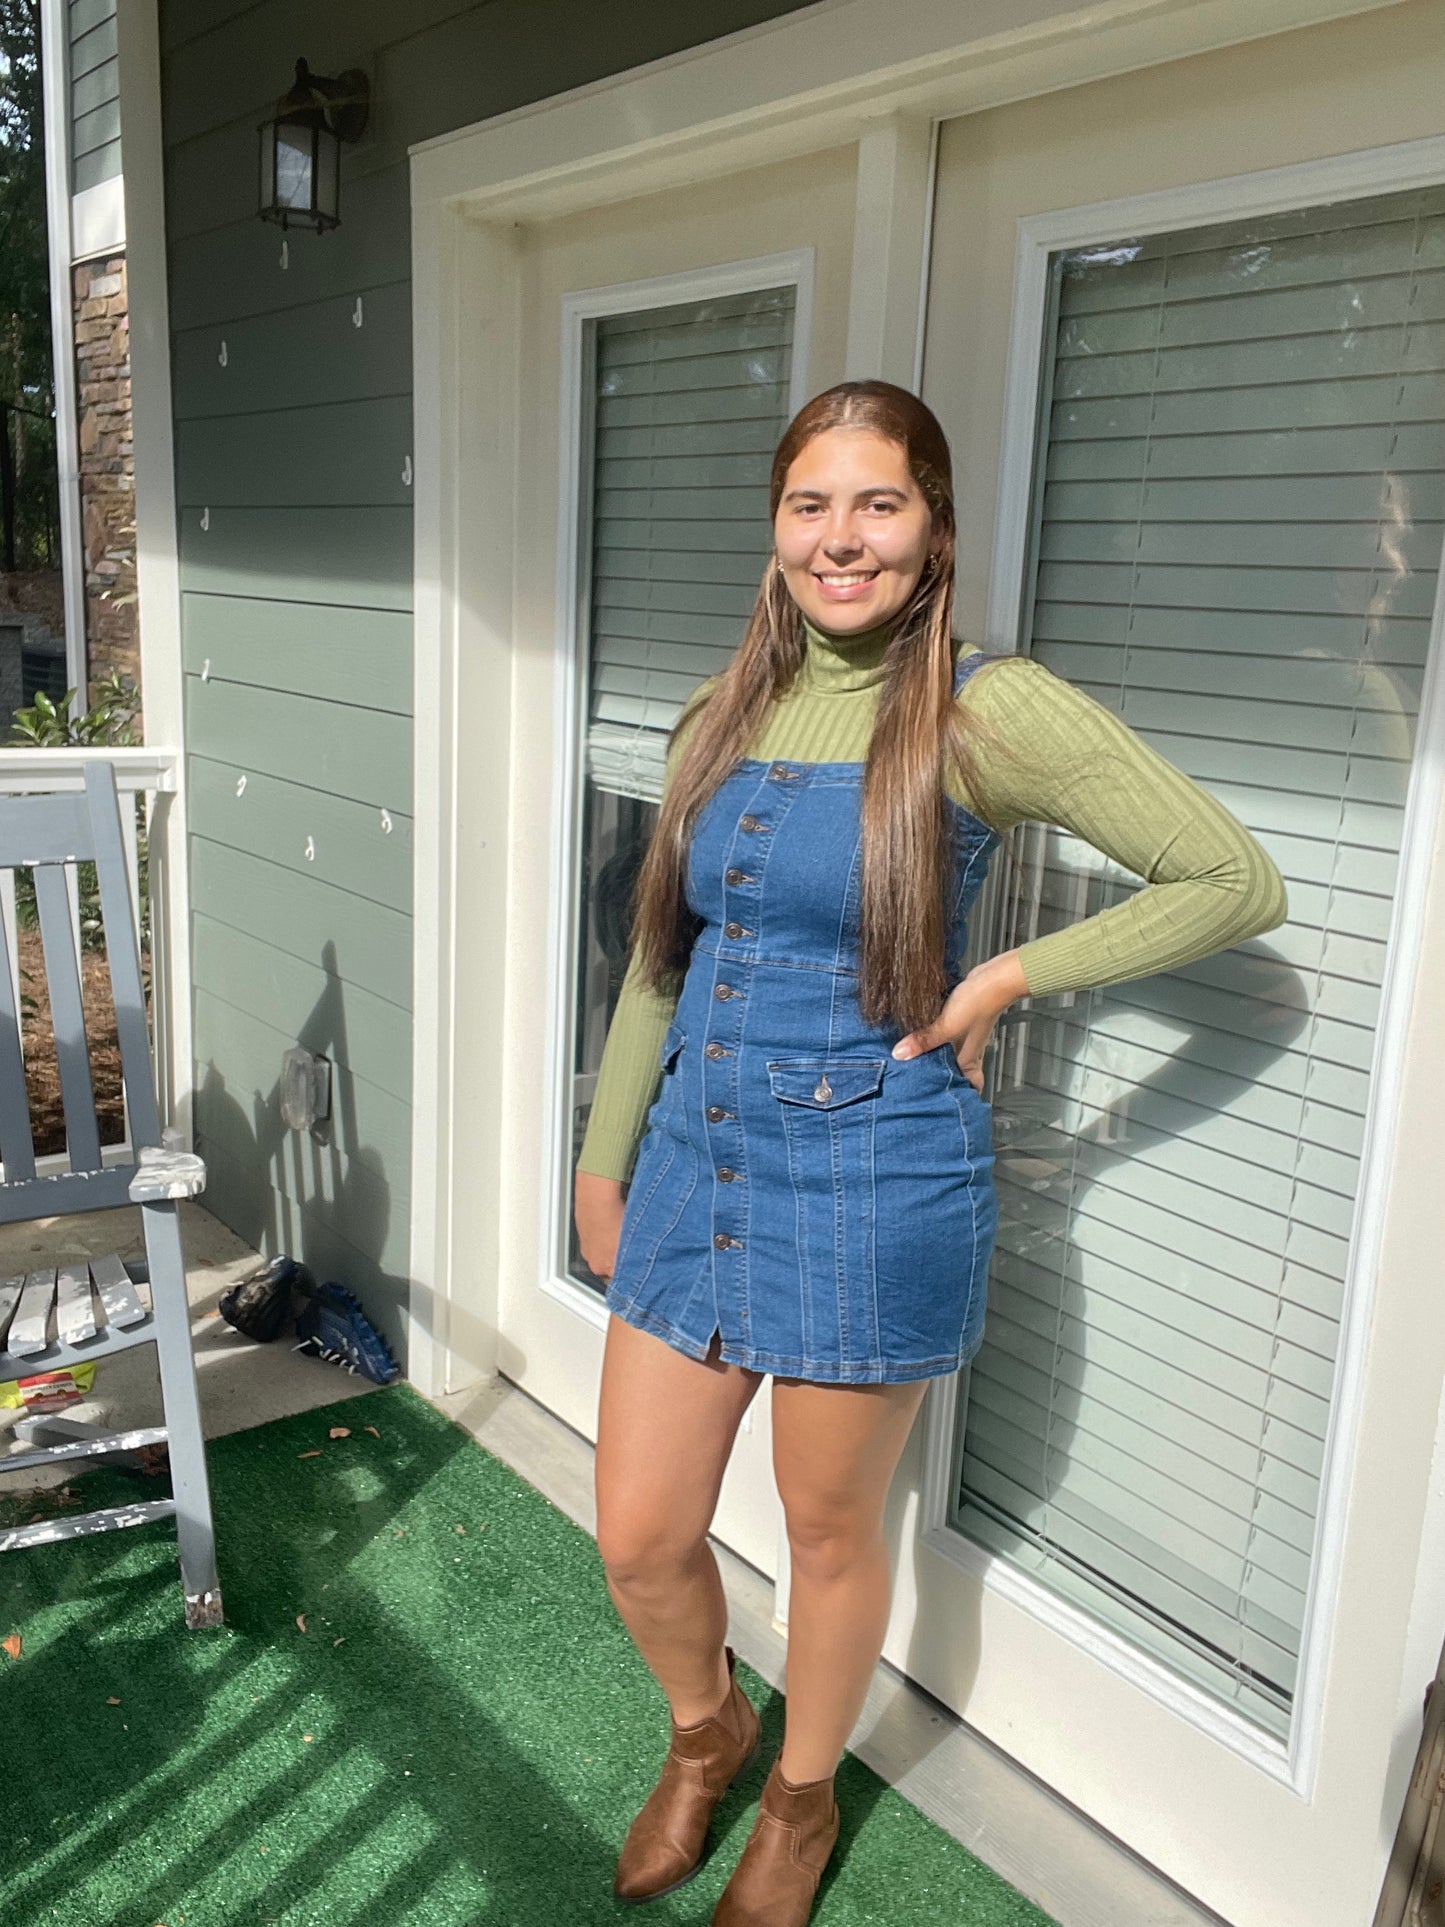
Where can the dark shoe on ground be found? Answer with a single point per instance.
(666, 1843)
(776, 1879)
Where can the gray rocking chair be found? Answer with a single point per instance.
(52, 1317)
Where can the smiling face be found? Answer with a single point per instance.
(853, 530)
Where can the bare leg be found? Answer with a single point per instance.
(665, 1428)
(835, 1450)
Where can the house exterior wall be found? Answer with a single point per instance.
(292, 372)
(94, 93)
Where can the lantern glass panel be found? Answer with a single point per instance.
(295, 167)
(328, 174)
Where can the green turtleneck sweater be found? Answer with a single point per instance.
(1065, 760)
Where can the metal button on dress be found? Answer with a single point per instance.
(716, 1050)
(737, 876)
(724, 991)
(780, 772)
(749, 823)
(736, 930)
(721, 1240)
(726, 1173)
(716, 1113)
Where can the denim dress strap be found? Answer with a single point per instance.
(964, 667)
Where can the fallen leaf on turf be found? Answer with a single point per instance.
(337, 1642)
(339, 1432)
(314, 1453)
(112, 1702)
(12, 1645)
(307, 1738)
(461, 1528)
(373, 1431)
(301, 1621)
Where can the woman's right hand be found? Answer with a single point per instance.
(597, 1206)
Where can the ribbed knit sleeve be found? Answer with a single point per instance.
(631, 1066)
(1064, 758)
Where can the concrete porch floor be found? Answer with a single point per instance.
(242, 1383)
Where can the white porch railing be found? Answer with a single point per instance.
(151, 773)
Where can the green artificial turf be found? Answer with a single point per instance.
(461, 1734)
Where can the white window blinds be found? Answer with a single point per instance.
(1238, 527)
(690, 402)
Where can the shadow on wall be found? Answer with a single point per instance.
(320, 1195)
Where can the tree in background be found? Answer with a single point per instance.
(29, 536)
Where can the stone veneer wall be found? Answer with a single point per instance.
(107, 466)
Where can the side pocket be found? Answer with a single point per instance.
(829, 1109)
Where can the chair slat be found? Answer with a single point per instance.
(117, 1293)
(10, 1290)
(30, 1328)
(123, 954)
(62, 973)
(53, 828)
(17, 1146)
(74, 1305)
(46, 1532)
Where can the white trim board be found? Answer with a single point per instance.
(97, 219)
(813, 79)
(156, 536)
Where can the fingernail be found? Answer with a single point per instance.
(899, 1051)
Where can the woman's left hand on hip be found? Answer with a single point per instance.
(969, 1014)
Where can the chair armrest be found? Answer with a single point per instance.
(161, 1173)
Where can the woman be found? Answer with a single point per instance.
(813, 1195)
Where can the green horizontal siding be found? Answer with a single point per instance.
(366, 944)
(351, 453)
(295, 516)
(353, 753)
(297, 358)
(271, 818)
(360, 656)
(94, 80)
(364, 1033)
(329, 555)
(239, 1076)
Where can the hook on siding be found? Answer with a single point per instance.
(222, 356)
(285, 253)
(356, 314)
(205, 518)
(406, 473)
(206, 670)
(241, 784)
(386, 821)
(310, 849)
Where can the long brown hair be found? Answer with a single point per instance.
(918, 734)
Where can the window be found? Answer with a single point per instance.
(685, 405)
(1237, 523)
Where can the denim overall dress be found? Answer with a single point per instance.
(827, 1209)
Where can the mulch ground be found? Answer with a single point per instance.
(42, 1076)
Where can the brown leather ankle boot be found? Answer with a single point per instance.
(665, 1843)
(776, 1879)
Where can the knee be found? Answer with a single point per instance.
(825, 1545)
(638, 1552)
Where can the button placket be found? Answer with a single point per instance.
(720, 1094)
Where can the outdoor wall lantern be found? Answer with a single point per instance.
(301, 147)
